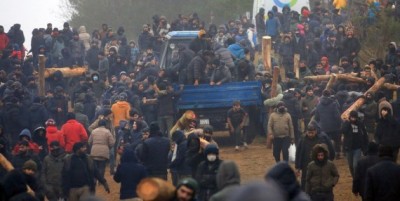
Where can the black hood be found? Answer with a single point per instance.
(284, 175)
(228, 174)
(128, 156)
(178, 136)
(193, 142)
(326, 100)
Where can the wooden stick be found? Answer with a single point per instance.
(42, 61)
(296, 61)
(360, 101)
(266, 51)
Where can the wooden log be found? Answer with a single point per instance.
(347, 77)
(332, 81)
(296, 63)
(266, 52)
(373, 73)
(275, 78)
(42, 62)
(360, 101)
(155, 189)
(66, 71)
(391, 87)
(317, 78)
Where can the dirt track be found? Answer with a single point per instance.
(253, 164)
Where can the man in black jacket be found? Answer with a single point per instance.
(304, 150)
(382, 181)
(155, 153)
(363, 164)
(79, 174)
(179, 156)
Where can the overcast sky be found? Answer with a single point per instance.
(30, 14)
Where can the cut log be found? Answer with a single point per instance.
(42, 60)
(347, 77)
(360, 101)
(66, 71)
(266, 52)
(155, 189)
(275, 78)
(296, 63)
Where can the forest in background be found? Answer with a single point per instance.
(132, 14)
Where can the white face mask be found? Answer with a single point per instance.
(211, 157)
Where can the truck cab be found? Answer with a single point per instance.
(170, 47)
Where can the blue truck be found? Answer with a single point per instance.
(211, 103)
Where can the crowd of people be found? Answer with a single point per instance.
(121, 113)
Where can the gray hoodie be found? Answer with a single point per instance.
(228, 181)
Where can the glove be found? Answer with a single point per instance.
(106, 188)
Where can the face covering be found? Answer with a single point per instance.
(281, 109)
(211, 157)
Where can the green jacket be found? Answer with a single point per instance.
(322, 176)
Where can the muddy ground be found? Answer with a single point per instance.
(253, 164)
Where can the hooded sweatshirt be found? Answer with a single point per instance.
(129, 173)
(120, 111)
(228, 181)
(53, 134)
(327, 114)
(284, 175)
(32, 145)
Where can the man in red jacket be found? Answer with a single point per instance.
(73, 132)
(4, 40)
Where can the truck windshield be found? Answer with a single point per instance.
(171, 55)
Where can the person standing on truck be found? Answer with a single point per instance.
(201, 42)
(236, 120)
(178, 71)
(196, 70)
(260, 24)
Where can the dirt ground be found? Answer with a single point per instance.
(253, 164)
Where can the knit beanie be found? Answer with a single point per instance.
(30, 165)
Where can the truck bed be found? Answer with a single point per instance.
(205, 96)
